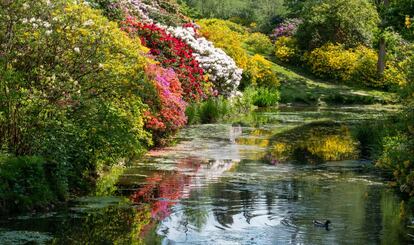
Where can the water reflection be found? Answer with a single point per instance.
(313, 143)
(214, 187)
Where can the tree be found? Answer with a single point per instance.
(395, 16)
(349, 22)
(382, 52)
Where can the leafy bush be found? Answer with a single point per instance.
(110, 8)
(398, 148)
(212, 110)
(286, 49)
(265, 97)
(24, 184)
(259, 43)
(337, 21)
(398, 157)
(71, 89)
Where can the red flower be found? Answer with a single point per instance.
(170, 52)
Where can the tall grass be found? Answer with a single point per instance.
(210, 111)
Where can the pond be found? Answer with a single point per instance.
(261, 180)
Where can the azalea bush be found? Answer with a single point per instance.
(172, 52)
(286, 49)
(68, 77)
(287, 28)
(221, 69)
(259, 43)
(358, 65)
(227, 36)
(259, 73)
(230, 37)
(167, 107)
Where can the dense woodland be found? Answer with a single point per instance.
(86, 86)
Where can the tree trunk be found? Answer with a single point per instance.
(381, 56)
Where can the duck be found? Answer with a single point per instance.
(321, 224)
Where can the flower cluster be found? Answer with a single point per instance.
(171, 52)
(287, 28)
(221, 68)
(168, 113)
(154, 11)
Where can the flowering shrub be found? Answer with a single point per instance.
(334, 61)
(259, 43)
(260, 72)
(229, 36)
(286, 49)
(287, 28)
(221, 68)
(167, 112)
(171, 52)
(160, 11)
(70, 90)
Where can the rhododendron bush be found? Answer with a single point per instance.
(230, 37)
(220, 67)
(163, 11)
(167, 112)
(287, 28)
(171, 52)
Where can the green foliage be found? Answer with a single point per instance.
(70, 91)
(106, 184)
(25, 183)
(109, 8)
(398, 148)
(261, 14)
(265, 97)
(259, 43)
(337, 21)
(398, 156)
(210, 111)
(395, 15)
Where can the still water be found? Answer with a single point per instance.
(261, 180)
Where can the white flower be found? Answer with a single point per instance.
(24, 20)
(48, 32)
(46, 24)
(88, 23)
(77, 50)
(221, 68)
(100, 66)
(25, 6)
